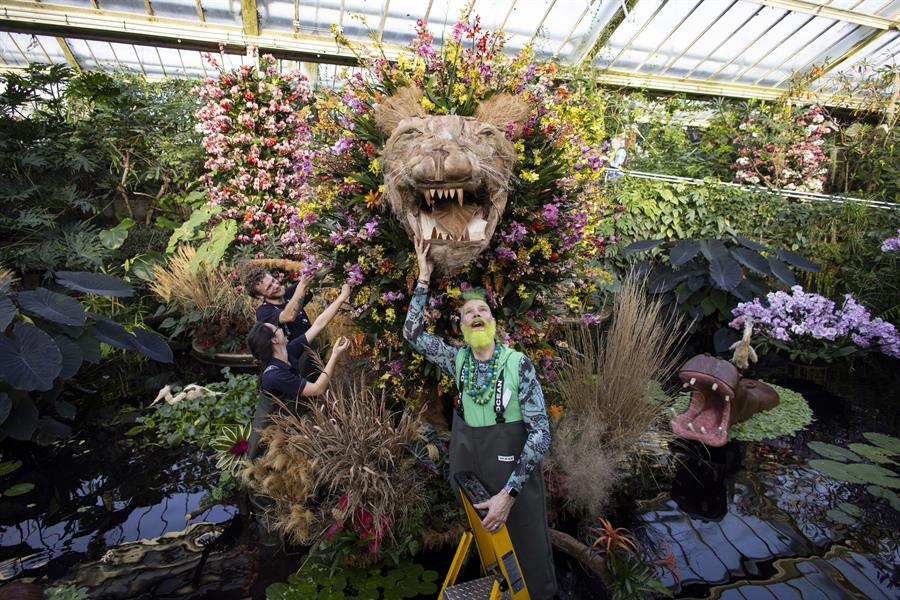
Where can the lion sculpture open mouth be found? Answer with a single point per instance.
(446, 177)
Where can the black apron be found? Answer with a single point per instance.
(482, 450)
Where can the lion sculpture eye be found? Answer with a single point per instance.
(412, 132)
(486, 132)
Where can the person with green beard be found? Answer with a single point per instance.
(500, 428)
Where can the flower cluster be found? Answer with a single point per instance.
(255, 126)
(809, 326)
(891, 244)
(784, 153)
(531, 268)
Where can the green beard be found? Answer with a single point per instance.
(480, 339)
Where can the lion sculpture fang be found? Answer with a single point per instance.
(446, 177)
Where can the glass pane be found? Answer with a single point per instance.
(176, 9)
(277, 14)
(222, 11)
(132, 6)
(9, 53)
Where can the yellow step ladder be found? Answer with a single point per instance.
(503, 577)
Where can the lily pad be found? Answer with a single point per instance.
(9, 466)
(888, 442)
(874, 453)
(861, 473)
(889, 495)
(18, 489)
(833, 452)
(851, 509)
(840, 517)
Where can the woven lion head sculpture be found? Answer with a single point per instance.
(446, 177)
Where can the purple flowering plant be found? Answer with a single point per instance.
(891, 244)
(810, 327)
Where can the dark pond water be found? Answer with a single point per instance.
(748, 521)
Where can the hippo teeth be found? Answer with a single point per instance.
(703, 430)
(690, 426)
(692, 381)
(715, 386)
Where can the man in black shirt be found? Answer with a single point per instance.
(284, 307)
(281, 306)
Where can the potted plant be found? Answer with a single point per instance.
(207, 306)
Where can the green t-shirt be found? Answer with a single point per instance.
(483, 415)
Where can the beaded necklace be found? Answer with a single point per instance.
(481, 377)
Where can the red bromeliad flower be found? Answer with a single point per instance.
(613, 537)
(240, 448)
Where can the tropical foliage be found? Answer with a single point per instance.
(45, 337)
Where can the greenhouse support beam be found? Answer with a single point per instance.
(602, 30)
(249, 17)
(712, 88)
(67, 52)
(133, 28)
(829, 12)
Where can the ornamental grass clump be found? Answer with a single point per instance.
(809, 326)
(612, 419)
(206, 299)
(344, 464)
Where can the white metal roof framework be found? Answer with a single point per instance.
(739, 48)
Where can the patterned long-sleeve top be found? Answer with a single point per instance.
(531, 397)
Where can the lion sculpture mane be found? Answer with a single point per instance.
(446, 177)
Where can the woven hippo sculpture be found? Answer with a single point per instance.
(446, 177)
(720, 398)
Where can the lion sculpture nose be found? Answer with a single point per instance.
(443, 165)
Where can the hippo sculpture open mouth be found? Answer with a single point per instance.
(720, 398)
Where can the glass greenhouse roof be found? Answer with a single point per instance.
(743, 48)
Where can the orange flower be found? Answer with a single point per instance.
(555, 411)
(372, 199)
(613, 537)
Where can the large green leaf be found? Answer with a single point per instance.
(94, 283)
(9, 466)
(52, 306)
(888, 442)
(874, 453)
(833, 452)
(862, 473)
(889, 495)
(29, 359)
(114, 238)
(18, 490)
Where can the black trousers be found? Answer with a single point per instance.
(478, 449)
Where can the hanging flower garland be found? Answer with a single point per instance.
(255, 125)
